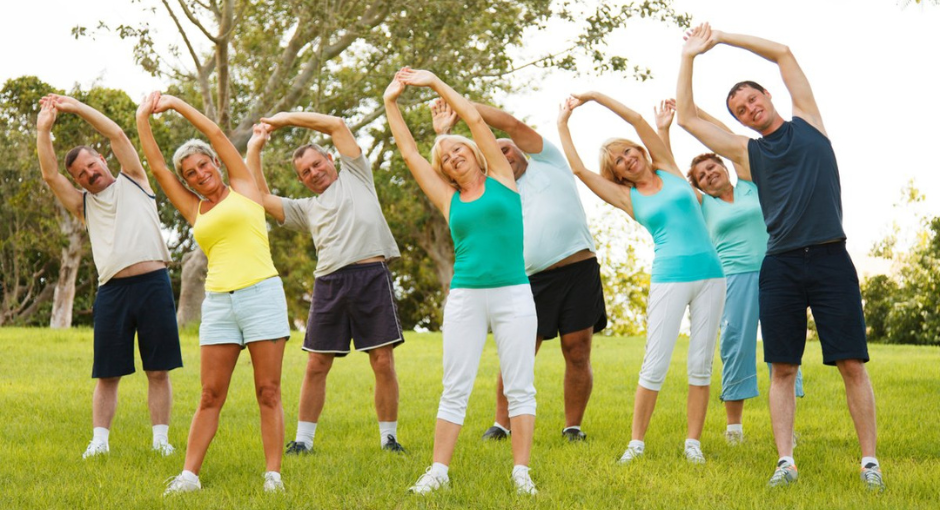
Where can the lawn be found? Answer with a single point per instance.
(45, 424)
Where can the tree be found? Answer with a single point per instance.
(336, 57)
(626, 281)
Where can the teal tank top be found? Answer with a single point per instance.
(683, 251)
(487, 234)
(737, 230)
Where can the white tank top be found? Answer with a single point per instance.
(123, 226)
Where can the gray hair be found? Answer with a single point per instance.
(299, 153)
(192, 147)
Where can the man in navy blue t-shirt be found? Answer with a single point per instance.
(795, 170)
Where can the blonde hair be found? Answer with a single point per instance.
(612, 148)
(436, 155)
(190, 148)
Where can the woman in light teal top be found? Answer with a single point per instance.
(645, 182)
(472, 184)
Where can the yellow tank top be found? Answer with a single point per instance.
(234, 236)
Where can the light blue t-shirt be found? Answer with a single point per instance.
(683, 251)
(552, 215)
(737, 230)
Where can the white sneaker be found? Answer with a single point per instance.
(524, 483)
(95, 449)
(429, 482)
(733, 437)
(630, 455)
(180, 484)
(694, 454)
(272, 483)
(164, 448)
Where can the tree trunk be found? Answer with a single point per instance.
(64, 294)
(436, 241)
(192, 287)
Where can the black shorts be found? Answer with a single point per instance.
(569, 298)
(823, 278)
(141, 304)
(355, 302)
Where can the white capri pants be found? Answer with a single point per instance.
(667, 303)
(510, 313)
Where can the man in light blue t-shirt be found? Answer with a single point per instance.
(559, 258)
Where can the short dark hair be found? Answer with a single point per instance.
(737, 87)
(698, 159)
(75, 152)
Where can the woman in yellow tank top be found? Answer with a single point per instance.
(244, 305)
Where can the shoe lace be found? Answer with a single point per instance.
(523, 482)
(872, 476)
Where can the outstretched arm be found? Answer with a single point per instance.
(526, 138)
(67, 194)
(614, 194)
(722, 142)
(804, 103)
(239, 177)
(437, 190)
(742, 169)
(334, 127)
(121, 145)
(663, 115)
(498, 165)
(259, 136)
(183, 199)
(659, 153)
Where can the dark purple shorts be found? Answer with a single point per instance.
(356, 302)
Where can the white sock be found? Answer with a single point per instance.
(637, 445)
(519, 468)
(870, 460)
(305, 432)
(788, 460)
(100, 435)
(736, 427)
(274, 475)
(190, 476)
(387, 428)
(439, 470)
(573, 427)
(504, 429)
(161, 434)
(693, 442)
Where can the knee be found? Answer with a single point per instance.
(211, 398)
(383, 361)
(318, 366)
(158, 377)
(578, 356)
(269, 394)
(109, 383)
(852, 369)
(784, 371)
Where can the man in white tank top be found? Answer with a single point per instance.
(134, 293)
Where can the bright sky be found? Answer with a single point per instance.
(872, 65)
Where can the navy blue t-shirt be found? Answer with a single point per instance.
(797, 181)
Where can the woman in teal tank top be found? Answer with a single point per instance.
(472, 185)
(645, 182)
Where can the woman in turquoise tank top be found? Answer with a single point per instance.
(472, 185)
(645, 182)
(244, 304)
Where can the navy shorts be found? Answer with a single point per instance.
(823, 278)
(569, 298)
(141, 304)
(355, 302)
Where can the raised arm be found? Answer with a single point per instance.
(436, 188)
(68, 195)
(722, 142)
(259, 137)
(498, 165)
(614, 194)
(239, 177)
(659, 153)
(663, 115)
(804, 103)
(443, 117)
(121, 145)
(526, 138)
(743, 168)
(335, 127)
(182, 198)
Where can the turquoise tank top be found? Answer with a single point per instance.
(487, 234)
(737, 230)
(683, 251)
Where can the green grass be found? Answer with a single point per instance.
(45, 424)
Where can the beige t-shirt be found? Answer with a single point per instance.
(345, 221)
(123, 226)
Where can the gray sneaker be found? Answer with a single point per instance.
(785, 474)
(495, 433)
(179, 484)
(871, 475)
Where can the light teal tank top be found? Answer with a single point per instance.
(683, 251)
(737, 230)
(487, 234)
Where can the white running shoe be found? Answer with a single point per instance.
(733, 437)
(694, 454)
(273, 483)
(95, 449)
(524, 483)
(429, 482)
(630, 455)
(180, 484)
(164, 448)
